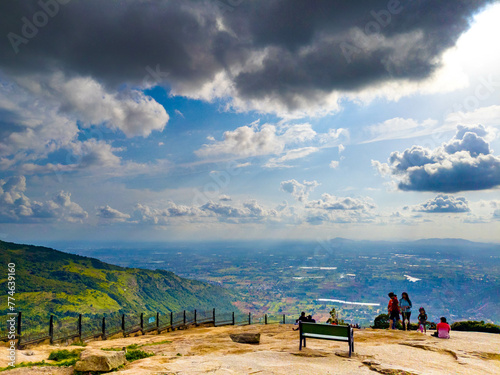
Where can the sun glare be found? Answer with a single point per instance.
(477, 49)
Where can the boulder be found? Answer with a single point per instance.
(246, 338)
(100, 360)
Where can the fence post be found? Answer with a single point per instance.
(142, 323)
(51, 329)
(123, 324)
(195, 317)
(104, 328)
(284, 321)
(19, 314)
(184, 320)
(233, 318)
(249, 319)
(158, 322)
(80, 327)
(213, 313)
(171, 320)
(265, 319)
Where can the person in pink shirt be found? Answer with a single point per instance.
(443, 329)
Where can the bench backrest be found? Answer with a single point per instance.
(325, 329)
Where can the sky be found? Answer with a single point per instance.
(156, 120)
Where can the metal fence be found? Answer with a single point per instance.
(86, 328)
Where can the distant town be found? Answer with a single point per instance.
(452, 278)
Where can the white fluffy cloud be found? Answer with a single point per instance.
(300, 191)
(86, 100)
(268, 139)
(330, 202)
(246, 141)
(16, 207)
(334, 164)
(110, 214)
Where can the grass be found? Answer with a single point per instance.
(157, 343)
(133, 353)
(61, 358)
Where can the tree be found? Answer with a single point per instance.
(334, 318)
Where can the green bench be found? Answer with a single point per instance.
(326, 332)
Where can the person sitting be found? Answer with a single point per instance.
(310, 319)
(302, 317)
(443, 329)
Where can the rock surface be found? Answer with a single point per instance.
(245, 338)
(211, 350)
(100, 360)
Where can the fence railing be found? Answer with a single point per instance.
(86, 328)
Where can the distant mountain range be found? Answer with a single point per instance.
(53, 282)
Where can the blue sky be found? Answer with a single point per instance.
(168, 120)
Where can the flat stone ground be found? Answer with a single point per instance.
(209, 350)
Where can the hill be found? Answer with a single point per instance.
(53, 282)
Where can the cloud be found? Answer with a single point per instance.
(266, 54)
(465, 163)
(399, 128)
(268, 139)
(110, 214)
(88, 101)
(444, 203)
(16, 207)
(224, 198)
(163, 216)
(334, 164)
(297, 153)
(330, 202)
(300, 191)
(245, 141)
(42, 115)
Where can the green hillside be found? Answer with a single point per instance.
(53, 282)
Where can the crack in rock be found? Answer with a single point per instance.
(431, 348)
(377, 367)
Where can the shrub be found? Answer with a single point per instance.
(134, 355)
(475, 326)
(59, 355)
(381, 321)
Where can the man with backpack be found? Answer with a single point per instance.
(393, 310)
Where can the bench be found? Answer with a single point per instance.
(326, 332)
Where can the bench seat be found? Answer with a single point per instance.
(326, 332)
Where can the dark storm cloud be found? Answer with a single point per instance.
(309, 48)
(116, 41)
(465, 163)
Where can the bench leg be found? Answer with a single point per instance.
(304, 342)
(300, 343)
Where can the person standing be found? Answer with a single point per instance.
(422, 320)
(405, 304)
(393, 310)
